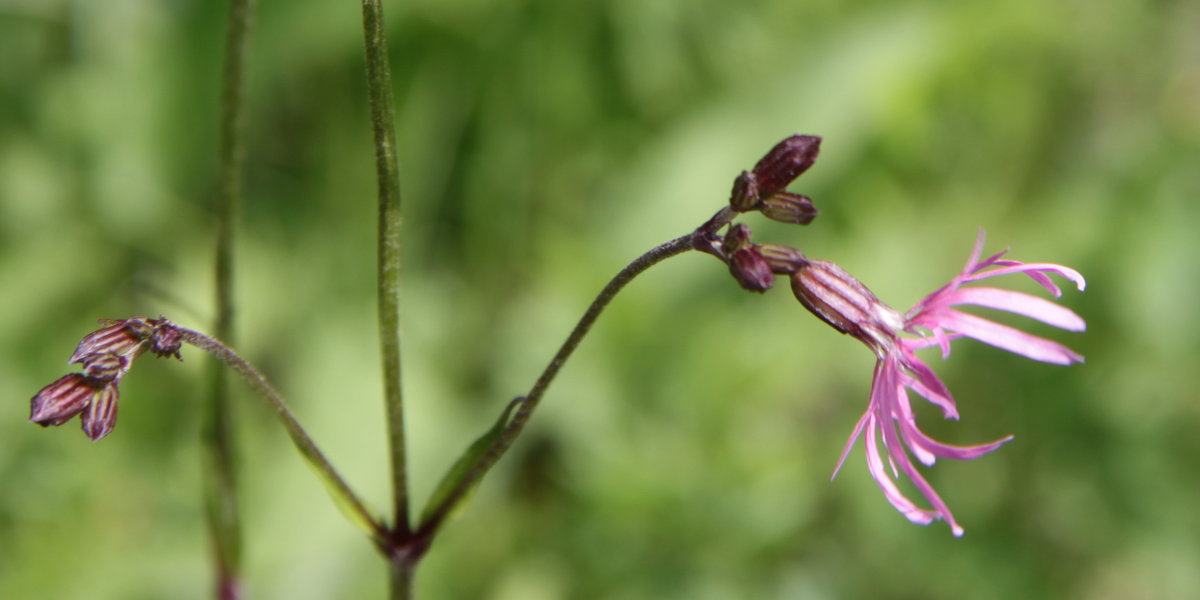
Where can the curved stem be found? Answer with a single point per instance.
(530, 401)
(337, 486)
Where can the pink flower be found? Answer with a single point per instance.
(843, 302)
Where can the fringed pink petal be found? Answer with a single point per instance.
(1020, 303)
(1008, 338)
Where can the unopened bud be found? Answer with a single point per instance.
(787, 207)
(105, 366)
(58, 402)
(842, 301)
(745, 196)
(123, 338)
(786, 161)
(751, 270)
(737, 238)
(784, 260)
(100, 417)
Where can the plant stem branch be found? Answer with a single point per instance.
(379, 89)
(337, 486)
(220, 493)
(530, 401)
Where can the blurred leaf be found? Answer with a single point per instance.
(462, 468)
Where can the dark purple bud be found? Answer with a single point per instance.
(104, 367)
(735, 239)
(843, 302)
(745, 196)
(786, 161)
(787, 207)
(58, 402)
(100, 416)
(784, 260)
(751, 270)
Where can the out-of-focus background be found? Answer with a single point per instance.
(685, 451)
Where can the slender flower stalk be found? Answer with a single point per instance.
(839, 299)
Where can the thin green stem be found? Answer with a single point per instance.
(530, 401)
(379, 89)
(338, 488)
(217, 427)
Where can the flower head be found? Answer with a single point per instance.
(839, 299)
(106, 355)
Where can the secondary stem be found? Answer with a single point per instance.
(217, 428)
(337, 486)
(530, 401)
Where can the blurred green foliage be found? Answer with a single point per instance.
(685, 451)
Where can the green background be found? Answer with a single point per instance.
(685, 451)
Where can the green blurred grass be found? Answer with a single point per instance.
(685, 451)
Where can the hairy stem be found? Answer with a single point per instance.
(220, 492)
(346, 498)
(379, 89)
(530, 401)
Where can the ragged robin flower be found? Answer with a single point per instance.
(842, 301)
(106, 355)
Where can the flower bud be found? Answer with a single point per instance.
(842, 301)
(745, 196)
(751, 270)
(104, 366)
(786, 161)
(735, 239)
(784, 260)
(100, 417)
(58, 402)
(787, 207)
(123, 338)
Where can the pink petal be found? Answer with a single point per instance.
(1034, 270)
(929, 386)
(906, 507)
(940, 508)
(1007, 338)
(1023, 304)
(862, 421)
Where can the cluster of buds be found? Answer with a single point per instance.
(106, 355)
(755, 266)
(763, 189)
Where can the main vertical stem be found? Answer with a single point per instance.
(379, 89)
(217, 427)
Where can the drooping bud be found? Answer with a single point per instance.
(787, 207)
(842, 301)
(104, 366)
(123, 338)
(58, 402)
(751, 270)
(784, 260)
(745, 196)
(785, 162)
(100, 417)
